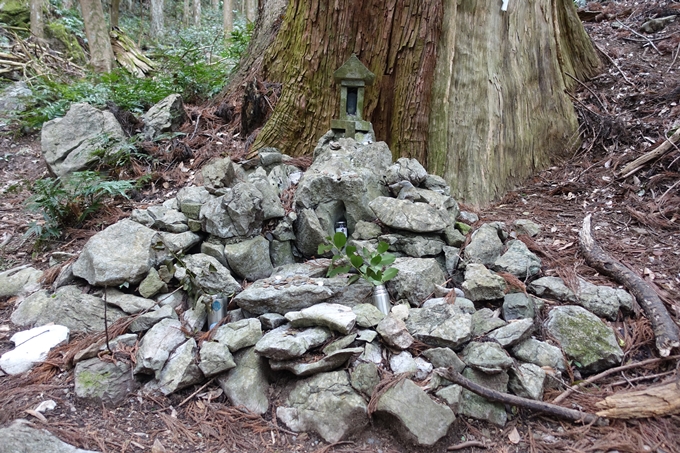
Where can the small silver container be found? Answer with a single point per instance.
(341, 227)
(216, 312)
(381, 299)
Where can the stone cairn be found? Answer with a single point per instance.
(232, 240)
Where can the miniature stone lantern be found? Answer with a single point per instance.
(352, 76)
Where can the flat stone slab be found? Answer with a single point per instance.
(19, 437)
(286, 342)
(409, 216)
(100, 381)
(156, 346)
(330, 362)
(32, 347)
(440, 325)
(240, 334)
(247, 385)
(488, 357)
(334, 316)
(418, 417)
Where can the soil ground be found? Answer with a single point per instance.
(626, 111)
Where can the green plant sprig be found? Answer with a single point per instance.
(374, 267)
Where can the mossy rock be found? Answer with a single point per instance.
(16, 13)
(66, 40)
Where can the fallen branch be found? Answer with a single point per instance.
(657, 152)
(650, 402)
(538, 406)
(666, 331)
(468, 444)
(606, 373)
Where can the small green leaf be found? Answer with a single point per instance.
(350, 250)
(356, 261)
(353, 279)
(387, 259)
(339, 239)
(382, 247)
(332, 272)
(324, 248)
(389, 274)
(376, 260)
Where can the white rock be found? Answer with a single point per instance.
(32, 347)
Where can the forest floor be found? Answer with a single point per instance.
(626, 111)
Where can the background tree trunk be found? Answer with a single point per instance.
(114, 12)
(37, 18)
(157, 18)
(228, 17)
(474, 93)
(97, 32)
(196, 12)
(250, 7)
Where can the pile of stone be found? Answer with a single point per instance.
(287, 317)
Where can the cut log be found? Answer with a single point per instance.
(666, 331)
(650, 402)
(657, 152)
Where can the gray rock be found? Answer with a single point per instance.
(417, 246)
(340, 343)
(174, 299)
(440, 325)
(437, 184)
(481, 284)
(350, 175)
(475, 406)
(283, 176)
(405, 169)
(237, 213)
(403, 363)
(121, 253)
(365, 378)
(452, 256)
(209, 275)
(485, 246)
(129, 303)
(32, 347)
(527, 381)
(526, 226)
(220, 174)
(468, 217)
(367, 315)
(303, 368)
(416, 279)
(19, 281)
(281, 253)
(453, 237)
(334, 316)
(424, 368)
(190, 200)
(272, 320)
(488, 357)
(513, 333)
(539, 353)
(152, 284)
(194, 319)
(603, 301)
(484, 321)
(585, 339)
(366, 335)
(168, 219)
(552, 288)
(444, 358)
(272, 208)
(148, 320)
(247, 384)
(109, 382)
(19, 437)
(166, 116)
(366, 231)
(156, 346)
(518, 306)
(409, 216)
(309, 232)
(69, 143)
(373, 353)
(400, 311)
(215, 358)
(214, 249)
(463, 304)
(284, 230)
(325, 404)
(249, 259)
(452, 395)
(285, 342)
(418, 417)
(13, 98)
(181, 369)
(174, 243)
(394, 333)
(518, 260)
(67, 307)
(240, 334)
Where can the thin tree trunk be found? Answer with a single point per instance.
(228, 17)
(186, 13)
(67, 4)
(37, 18)
(114, 12)
(157, 18)
(196, 12)
(250, 10)
(97, 32)
(215, 4)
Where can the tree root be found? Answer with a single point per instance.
(666, 331)
(538, 406)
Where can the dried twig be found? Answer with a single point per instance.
(614, 64)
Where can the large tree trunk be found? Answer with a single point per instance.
(228, 17)
(157, 18)
(97, 32)
(37, 18)
(474, 93)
